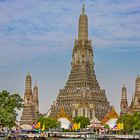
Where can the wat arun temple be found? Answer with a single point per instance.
(82, 94)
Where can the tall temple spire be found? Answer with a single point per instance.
(28, 113)
(135, 104)
(35, 91)
(124, 103)
(83, 25)
(82, 76)
(137, 84)
(35, 98)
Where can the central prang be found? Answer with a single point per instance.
(81, 95)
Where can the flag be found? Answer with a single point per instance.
(43, 127)
(33, 126)
(37, 126)
(74, 126)
(114, 126)
(120, 126)
(78, 126)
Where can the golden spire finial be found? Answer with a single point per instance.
(35, 83)
(83, 8)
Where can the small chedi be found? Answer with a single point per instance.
(82, 95)
(31, 103)
(135, 103)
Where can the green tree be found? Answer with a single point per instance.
(9, 103)
(127, 121)
(136, 121)
(106, 126)
(84, 121)
(131, 122)
(49, 123)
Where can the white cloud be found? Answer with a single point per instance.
(28, 28)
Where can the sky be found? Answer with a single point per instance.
(37, 36)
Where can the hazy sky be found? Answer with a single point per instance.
(38, 36)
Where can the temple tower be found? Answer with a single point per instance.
(82, 79)
(135, 107)
(28, 113)
(124, 103)
(28, 97)
(137, 86)
(83, 26)
(35, 99)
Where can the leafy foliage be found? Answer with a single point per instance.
(131, 122)
(84, 121)
(136, 121)
(106, 126)
(49, 123)
(9, 103)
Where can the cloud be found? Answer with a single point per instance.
(117, 21)
(32, 28)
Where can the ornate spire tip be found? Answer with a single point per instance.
(123, 84)
(35, 83)
(83, 8)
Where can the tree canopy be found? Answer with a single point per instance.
(9, 103)
(131, 122)
(84, 121)
(49, 123)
